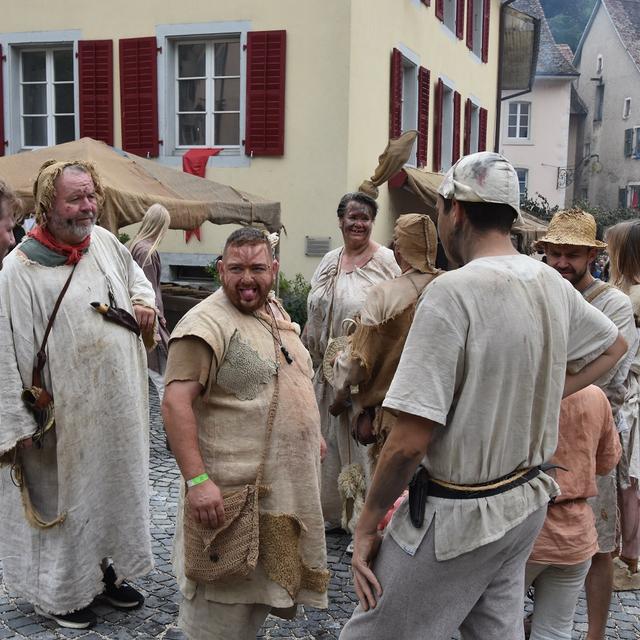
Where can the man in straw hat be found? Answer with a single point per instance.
(477, 393)
(74, 499)
(570, 245)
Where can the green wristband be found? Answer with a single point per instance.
(203, 477)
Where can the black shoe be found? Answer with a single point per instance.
(122, 597)
(82, 619)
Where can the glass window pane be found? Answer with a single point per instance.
(64, 98)
(523, 132)
(191, 130)
(35, 132)
(513, 108)
(227, 94)
(513, 121)
(63, 65)
(34, 98)
(65, 129)
(512, 131)
(192, 95)
(227, 129)
(227, 59)
(524, 108)
(191, 60)
(34, 66)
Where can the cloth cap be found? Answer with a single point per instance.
(417, 241)
(44, 185)
(483, 177)
(572, 226)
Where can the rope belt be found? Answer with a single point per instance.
(443, 489)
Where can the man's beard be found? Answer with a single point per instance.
(71, 228)
(575, 276)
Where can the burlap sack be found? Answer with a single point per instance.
(229, 550)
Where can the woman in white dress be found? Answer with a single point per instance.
(338, 289)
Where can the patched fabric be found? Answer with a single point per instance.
(280, 555)
(243, 371)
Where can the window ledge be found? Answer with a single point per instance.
(221, 161)
(519, 142)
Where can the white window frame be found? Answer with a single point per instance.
(478, 23)
(450, 8)
(168, 36)
(519, 116)
(626, 108)
(523, 181)
(446, 139)
(635, 145)
(50, 84)
(12, 45)
(209, 78)
(474, 133)
(410, 65)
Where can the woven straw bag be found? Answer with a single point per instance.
(232, 549)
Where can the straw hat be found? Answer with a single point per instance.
(572, 226)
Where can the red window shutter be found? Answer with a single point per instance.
(424, 90)
(470, 23)
(437, 126)
(139, 95)
(466, 145)
(460, 19)
(440, 10)
(455, 151)
(395, 95)
(485, 29)
(2, 141)
(266, 66)
(95, 74)
(482, 130)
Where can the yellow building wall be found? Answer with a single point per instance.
(336, 102)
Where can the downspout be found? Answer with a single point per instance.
(496, 143)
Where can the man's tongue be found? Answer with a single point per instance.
(248, 295)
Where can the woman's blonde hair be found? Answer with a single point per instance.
(623, 246)
(153, 230)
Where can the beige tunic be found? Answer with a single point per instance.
(232, 417)
(94, 466)
(348, 291)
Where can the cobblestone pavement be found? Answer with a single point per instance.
(156, 619)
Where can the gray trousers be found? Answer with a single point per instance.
(480, 592)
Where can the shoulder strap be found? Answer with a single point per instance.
(601, 287)
(41, 357)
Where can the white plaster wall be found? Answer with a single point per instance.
(603, 176)
(548, 145)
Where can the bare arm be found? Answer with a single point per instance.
(401, 454)
(596, 368)
(204, 500)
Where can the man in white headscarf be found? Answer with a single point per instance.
(74, 487)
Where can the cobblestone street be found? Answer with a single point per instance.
(156, 619)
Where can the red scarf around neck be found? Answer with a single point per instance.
(73, 252)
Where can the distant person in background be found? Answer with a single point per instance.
(8, 207)
(624, 250)
(144, 249)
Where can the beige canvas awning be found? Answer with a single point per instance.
(132, 184)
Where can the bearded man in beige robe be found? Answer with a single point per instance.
(74, 486)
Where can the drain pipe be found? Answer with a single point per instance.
(496, 137)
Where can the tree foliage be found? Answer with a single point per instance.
(567, 20)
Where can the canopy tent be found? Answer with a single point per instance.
(132, 184)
